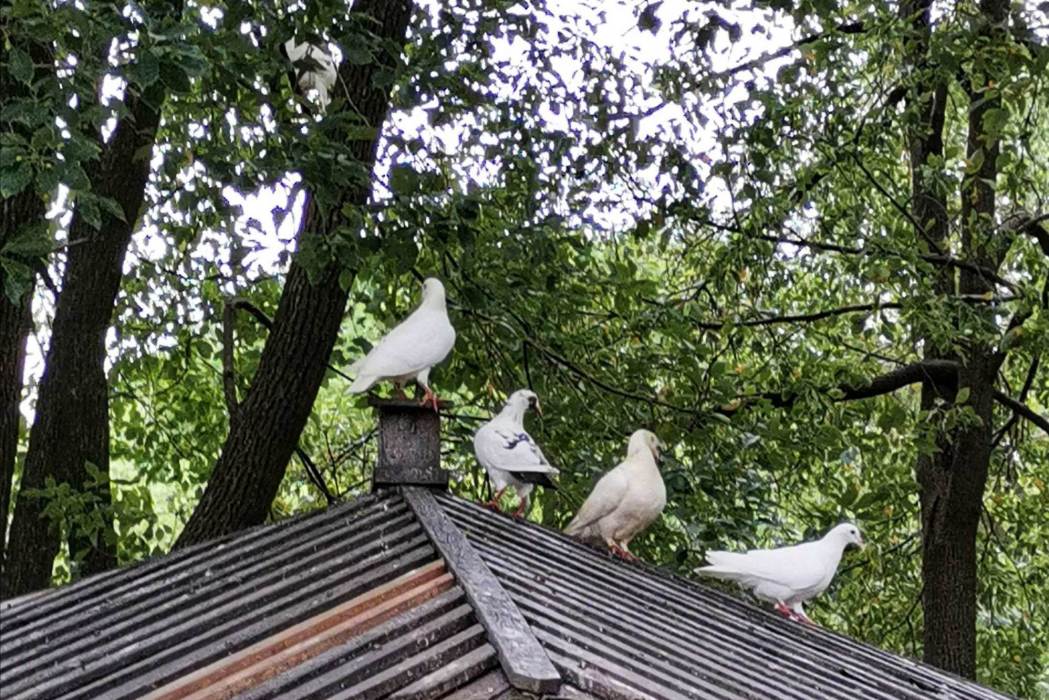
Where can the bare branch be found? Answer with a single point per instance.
(798, 318)
(940, 372)
(315, 475)
(1023, 410)
(267, 323)
(846, 28)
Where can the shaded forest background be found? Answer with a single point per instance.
(806, 243)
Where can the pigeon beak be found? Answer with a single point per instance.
(538, 408)
(863, 545)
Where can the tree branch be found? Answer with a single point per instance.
(315, 475)
(229, 376)
(798, 318)
(941, 372)
(845, 28)
(264, 320)
(1033, 227)
(1023, 410)
(943, 260)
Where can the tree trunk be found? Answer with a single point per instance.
(274, 411)
(15, 323)
(19, 212)
(953, 478)
(72, 412)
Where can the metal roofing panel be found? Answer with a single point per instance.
(614, 628)
(353, 600)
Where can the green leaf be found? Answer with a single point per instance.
(145, 70)
(403, 180)
(18, 279)
(15, 178)
(31, 241)
(110, 206)
(88, 209)
(963, 395)
(358, 55)
(20, 65)
(174, 77)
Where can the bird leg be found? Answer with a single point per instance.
(521, 508)
(429, 398)
(800, 616)
(621, 552)
(398, 392)
(494, 503)
(783, 610)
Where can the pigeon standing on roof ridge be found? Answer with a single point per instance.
(786, 576)
(509, 454)
(409, 351)
(626, 500)
(320, 77)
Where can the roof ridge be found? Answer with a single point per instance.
(523, 658)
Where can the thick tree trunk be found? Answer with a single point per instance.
(72, 412)
(19, 212)
(274, 411)
(953, 478)
(952, 483)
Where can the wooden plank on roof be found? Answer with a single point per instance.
(522, 657)
(452, 675)
(488, 687)
(296, 644)
(432, 657)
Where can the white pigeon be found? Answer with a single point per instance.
(509, 454)
(786, 576)
(411, 349)
(626, 500)
(320, 77)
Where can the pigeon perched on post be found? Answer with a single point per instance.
(312, 68)
(787, 576)
(509, 454)
(411, 349)
(626, 500)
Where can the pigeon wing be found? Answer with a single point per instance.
(513, 451)
(796, 567)
(602, 501)
(419, 342)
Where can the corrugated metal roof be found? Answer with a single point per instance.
(627, 630)
(351, 602)
(417, 595)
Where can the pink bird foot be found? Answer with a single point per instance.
(430, 398)
(622, 553)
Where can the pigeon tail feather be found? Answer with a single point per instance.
(361, 384)
(540, 478)
(718, 572)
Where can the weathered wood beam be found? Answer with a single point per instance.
(522, 657)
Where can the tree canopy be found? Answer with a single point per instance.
(806, 243)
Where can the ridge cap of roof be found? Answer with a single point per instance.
(523, 658)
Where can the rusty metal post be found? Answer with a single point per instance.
(409, 444)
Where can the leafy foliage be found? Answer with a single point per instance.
(651, 219)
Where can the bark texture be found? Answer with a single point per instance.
(22, 210)
(15, 323)
(953, 478)
(274, 411)
(72, 413)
